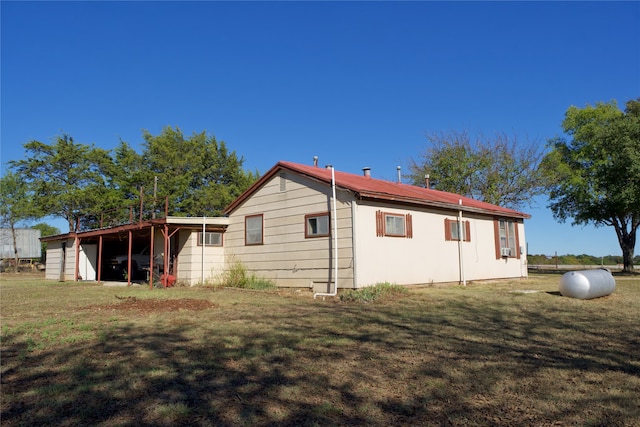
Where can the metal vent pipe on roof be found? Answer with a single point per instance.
(426, 181)
(315, 161)
(328, 167)
(399, 176)
(367, 172)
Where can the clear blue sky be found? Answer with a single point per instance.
(355, 83)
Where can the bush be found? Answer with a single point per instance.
(377, 292)
(236, 276)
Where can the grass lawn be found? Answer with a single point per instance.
(504, 353)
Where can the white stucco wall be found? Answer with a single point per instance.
(427, 257)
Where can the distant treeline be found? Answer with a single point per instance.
(578, 260)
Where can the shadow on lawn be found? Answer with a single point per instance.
(353, 365)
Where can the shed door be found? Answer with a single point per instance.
(63, 257)
(88, 262)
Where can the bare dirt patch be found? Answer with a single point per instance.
(157, 305)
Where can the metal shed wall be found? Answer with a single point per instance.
(27, 241)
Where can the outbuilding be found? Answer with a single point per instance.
(189, 250)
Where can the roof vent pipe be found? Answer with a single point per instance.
(329, 167)
(367, 172)
(426, 181)
(399, 176)
(315, 161)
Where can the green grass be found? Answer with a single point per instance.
(488, 354)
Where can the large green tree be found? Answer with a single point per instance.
(198, 174)
(500, 170)
(68, 180)
(594, 176)
(80, 183)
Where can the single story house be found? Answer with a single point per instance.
(306, 226)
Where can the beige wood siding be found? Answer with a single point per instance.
(287, 257)
(190, 260)
(52, 266)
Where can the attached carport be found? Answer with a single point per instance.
(154, 234)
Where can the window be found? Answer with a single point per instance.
(210, 238)
(253, 230)
(506, 235)
(316, 225)
(454, 230)
(394, 225)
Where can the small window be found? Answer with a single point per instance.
(457, 230)
(394, 225)
(253, 234)
(210, 238)
(506, 235)
(316, 225)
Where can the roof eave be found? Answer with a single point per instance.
(441, 205)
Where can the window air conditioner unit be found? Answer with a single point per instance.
(506, 252)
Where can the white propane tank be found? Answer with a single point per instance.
(587, 284)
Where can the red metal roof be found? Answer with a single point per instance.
(377, 189)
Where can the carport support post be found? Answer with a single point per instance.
(77, 245)
(129, 260)
(99, 258)
(167, 248)
(166, 254)
(152, 255)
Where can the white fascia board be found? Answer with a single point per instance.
(194, 220)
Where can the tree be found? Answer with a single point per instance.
(16, 205)
(68, 180)
(497, 170)
(595, 176)
(198, 174)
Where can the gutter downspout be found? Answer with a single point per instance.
(460, 258)
(335, 240)
(204, 221)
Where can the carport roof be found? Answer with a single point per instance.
(210, 223)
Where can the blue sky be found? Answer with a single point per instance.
(355, 83)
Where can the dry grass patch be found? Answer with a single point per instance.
(480, 355)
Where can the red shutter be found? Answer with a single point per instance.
(379, 227)
(409, 226)
(447, 229)
(496, 235)
(467, 234)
